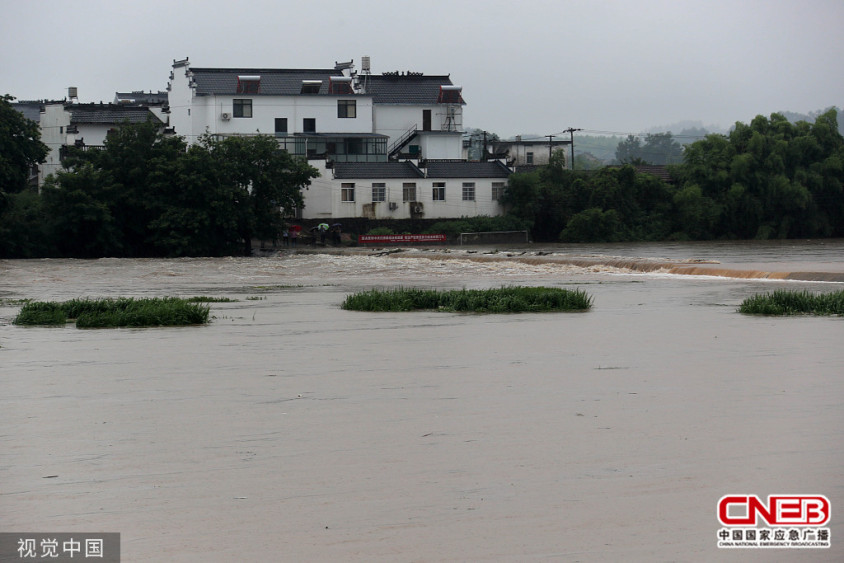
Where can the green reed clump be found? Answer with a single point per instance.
(791, 302)
(40, 313)
(500, 300)
(121, 312)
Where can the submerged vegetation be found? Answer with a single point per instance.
(785, 302)
(501, 300)
(122, 312)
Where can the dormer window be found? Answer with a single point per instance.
(340, 85)
(450, 95)
(248, 84)
(311, 86)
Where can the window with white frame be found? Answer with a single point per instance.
(379, 191)
(468, 191)
(347, 192)
(497, 191)
(438, 193)
(408, 191)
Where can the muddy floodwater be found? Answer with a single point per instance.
(288, 429)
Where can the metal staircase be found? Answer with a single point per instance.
(393, 150)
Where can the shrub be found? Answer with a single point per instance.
(501, 300)
(381, 231)
(98, 313)
(790, 302)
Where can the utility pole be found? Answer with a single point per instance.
(571, 131)
(550, 146)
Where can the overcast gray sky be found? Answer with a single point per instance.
(529, 66)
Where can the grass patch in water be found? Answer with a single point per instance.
(112, 313)
(502, 300)
(791, 302)
(205, 299)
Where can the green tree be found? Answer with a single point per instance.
(81, 222)
(661, 149)
(629, 150)
(265, 182)
(20, 149)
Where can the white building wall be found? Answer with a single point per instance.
(54, 122)
(396, 119)
(440, 146)
(454, 206)
(323, 200)
(180, 96)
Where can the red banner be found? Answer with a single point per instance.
(382, 239)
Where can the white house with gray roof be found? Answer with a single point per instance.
(401, 190)
(84, 125)
(387, 145)
(330, 113)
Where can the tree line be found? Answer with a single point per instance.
(146, 194)
(767, 179)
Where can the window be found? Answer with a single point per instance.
(439, 191)
(379, 191)
(280, 126)
(354, 146)
(309, 125)
(347, 192)
(408, 191)
(530, 158)
(347, 108)
(248, 84)
(497, 191)
(468, 191)
(311, 86)
(242, 108)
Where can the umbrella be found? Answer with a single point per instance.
(323, 225)
(336, 224)
(296, 227)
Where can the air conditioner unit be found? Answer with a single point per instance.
(393, 206)
(226, 116)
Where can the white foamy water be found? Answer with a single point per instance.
(288, 429)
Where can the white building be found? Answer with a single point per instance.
(361, 130)
(85, 126)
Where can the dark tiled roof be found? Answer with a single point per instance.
(30, 110)
(274, 82)
(375, 170)
(110, 114)
(658, 170)
(412, 89)
(450, 169)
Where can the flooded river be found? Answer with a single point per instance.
(288, 429)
